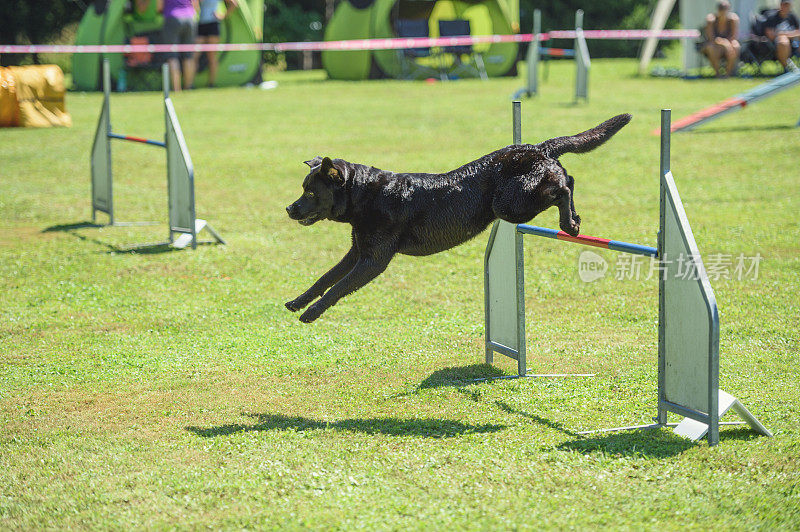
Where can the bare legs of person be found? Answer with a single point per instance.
(175, 73)
(783, 51)
(188, 65)
(723, 49)
(188, 72)
(213, 64)
(211, 55)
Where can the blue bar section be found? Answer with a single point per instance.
(139, 140)
(538, 231)
(636, 249)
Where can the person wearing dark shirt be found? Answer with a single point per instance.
(783, 29)
(721, 32)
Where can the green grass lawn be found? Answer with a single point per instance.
(161, 390)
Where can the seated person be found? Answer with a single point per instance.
(783, 29)
(721, 34)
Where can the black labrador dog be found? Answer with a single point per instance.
(422, 214)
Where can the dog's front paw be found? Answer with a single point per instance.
(296, 304)
(573, 227)
(311, 314)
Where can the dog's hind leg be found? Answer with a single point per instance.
(516, 204)
(326, 281)
(569, 221)
(366, 269)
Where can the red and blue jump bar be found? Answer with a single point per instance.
(557, 52)
(614, 245)
(138, 139)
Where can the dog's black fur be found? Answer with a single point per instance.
(422, 214)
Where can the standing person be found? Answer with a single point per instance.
(208, 32)
(180, 27)
(783, 29)
(722, 30)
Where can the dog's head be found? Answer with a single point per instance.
(319, 199)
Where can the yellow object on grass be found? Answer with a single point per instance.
(33, 96)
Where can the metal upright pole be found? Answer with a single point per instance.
(107, 105)
(168, 144)
(533, 54)
(165, 79)
(522, 369)
(581, 53)
(664, 168)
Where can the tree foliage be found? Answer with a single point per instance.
(34, 21)
(292, 20)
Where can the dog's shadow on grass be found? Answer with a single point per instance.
(420, 428)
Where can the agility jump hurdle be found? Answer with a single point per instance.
(688, 321)
(180, 171)
(580, 52)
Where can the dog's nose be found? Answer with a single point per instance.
(289, 209)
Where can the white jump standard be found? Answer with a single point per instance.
(580, 52)
(688, 321)
(180, 171)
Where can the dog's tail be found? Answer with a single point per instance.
(586, 141)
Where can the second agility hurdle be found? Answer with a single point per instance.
(580, 52)
(183, 221)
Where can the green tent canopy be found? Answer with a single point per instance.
(375, 19)
(118, 22)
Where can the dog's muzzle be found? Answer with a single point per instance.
(291, 210)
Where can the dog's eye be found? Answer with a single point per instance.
(309, 194)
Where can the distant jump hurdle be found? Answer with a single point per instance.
(180, 171)
(535, 51)
(688, 321)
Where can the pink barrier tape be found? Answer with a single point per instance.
(358, 44)
(626, 34)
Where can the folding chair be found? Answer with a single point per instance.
(409, 68)
(758, 50)
(458, 27)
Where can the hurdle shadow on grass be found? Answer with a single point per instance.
(420, 428)
(462, 377)
(71, 227)
(141, 249)
(652, 443)
(745, 129)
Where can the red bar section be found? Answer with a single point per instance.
(136, 139)
(583, 239)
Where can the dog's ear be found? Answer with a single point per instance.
(329, 171)
(316, 161)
